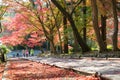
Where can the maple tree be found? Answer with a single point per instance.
(42, 23)
(20, 26)
(50, 22)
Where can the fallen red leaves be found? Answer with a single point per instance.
(27, 70)
(1, 70)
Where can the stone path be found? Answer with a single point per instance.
(109, 68)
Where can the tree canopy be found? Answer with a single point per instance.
(83, 24)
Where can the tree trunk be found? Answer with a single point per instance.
(79, 39)
(103, 29)
(57, 25)
(60, 40)
(115, 33)
(61, 50)
(48, 45)
(76, 46)
(2, 57)
(84, 20)
(0, 27)
(83, 45)
(65, 35)
(52, 47)
(96, 27)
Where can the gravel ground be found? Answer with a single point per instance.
(28, 70)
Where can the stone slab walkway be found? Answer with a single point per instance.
(109, 68)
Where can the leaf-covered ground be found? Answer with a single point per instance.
(27, 70)
(1, 70)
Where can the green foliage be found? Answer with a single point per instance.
(94, 48)
(91, 43)
(71, 50)
(4, 49)
(79, 16)
(109, 47)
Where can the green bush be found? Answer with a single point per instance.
(3, 50)
(109, 47)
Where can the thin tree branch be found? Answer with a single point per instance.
(79, 1)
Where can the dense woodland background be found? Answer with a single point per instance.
(61, 26)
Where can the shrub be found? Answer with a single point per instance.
(3, 51)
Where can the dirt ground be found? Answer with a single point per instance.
(28, 70)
